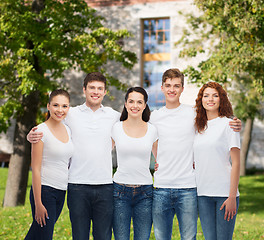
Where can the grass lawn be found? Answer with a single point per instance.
(15, 222)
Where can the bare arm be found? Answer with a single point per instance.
(235, 124)
(36, 155)
(155, 149)
(154, 152)
(113, 143)
(230, 203)
(33, 136)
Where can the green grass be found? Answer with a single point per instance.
(15, 222)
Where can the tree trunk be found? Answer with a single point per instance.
(16, 185)
(245, 145)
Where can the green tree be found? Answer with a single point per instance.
(39, 40)
(231, 35)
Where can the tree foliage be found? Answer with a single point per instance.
(41, 39)
(231, 33)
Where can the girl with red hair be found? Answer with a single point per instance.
(216, 177)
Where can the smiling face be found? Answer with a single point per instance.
(94, 94)
(172, 89)
(135, 105)
(211, 100)
(58, 107)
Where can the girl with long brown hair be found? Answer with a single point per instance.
(217, 178)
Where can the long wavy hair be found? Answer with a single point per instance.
(146, 112)
(225, 107)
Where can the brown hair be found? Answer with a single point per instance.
(94, 76)
(173, 73)
(225, 107)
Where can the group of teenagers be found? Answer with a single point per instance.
(72, 150)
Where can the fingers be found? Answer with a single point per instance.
(41, 220)
(223, 205)
(46, 215)
(229, 214)
(34, 129)
(156, 166)
(37, 135)
(236, 124)
(34, 137)
(226, 214)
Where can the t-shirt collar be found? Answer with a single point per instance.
(84, 107)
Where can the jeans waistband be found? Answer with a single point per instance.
(131, 186)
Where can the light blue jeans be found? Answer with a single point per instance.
(214, 226)
(170, 201)
(132, 203)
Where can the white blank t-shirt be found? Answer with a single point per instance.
(55, 158)
(212, 158)
(175, 147)
(133, 155)
(91, 134)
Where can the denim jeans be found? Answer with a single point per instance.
(170, 201)
(135, 203)
(53, 200)
(214, 226)
(88, 203)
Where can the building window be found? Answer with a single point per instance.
(156, 57)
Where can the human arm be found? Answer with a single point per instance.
(154, 152)
(230, 202)
(33, 136)
(235, 124)
(36, 155)
(113, 143)
(155, 149)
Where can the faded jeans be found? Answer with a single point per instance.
(132, 203)
(170, 201)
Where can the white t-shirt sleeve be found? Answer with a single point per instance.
(153, 117)
(233, 138)
(113, 133)
(155, 134)
(42, 128)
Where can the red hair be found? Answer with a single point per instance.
(225, 107)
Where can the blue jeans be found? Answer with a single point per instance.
(135, 203)
(53, 200)
(170, 201)
(214, 226)
(88, 203)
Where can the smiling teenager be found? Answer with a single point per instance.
(174, 181)
(217, 179)
(134, 139)
(50, 168)
(90, 185)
